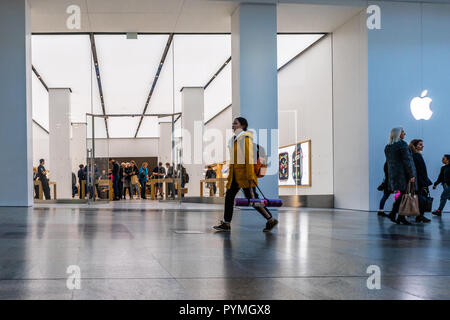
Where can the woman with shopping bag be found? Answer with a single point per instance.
(242, 175)
(402, 172)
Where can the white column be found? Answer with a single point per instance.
(78, 146)
(60, 164)
(16, 147)
(254, 75)
(192, 123)
(165, 142)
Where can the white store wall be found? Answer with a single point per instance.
(140, 147)
(350, 115)
(305, 112)
(41, 145)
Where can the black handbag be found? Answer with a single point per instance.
(427, 201)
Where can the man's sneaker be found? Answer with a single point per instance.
(437, 213)
(223, 227)
(270, 224)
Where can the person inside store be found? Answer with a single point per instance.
(161, 175)
(91, 182)
(242, 175)
(134, 178)
(211, 174)
(444, 178)
(384, 186)
(127, 173)
(423, 182)
(182, 174)
(36, 187)
(82, 180)
(171, 186)
(115, 177)
(121, 179)
(401, 168)
(42, 176)
(143, 178)
(74, 185)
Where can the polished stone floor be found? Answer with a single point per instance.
(151, 250)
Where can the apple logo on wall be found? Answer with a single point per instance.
(420, 106)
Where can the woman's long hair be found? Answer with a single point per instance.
(395, 135)
(413, 145)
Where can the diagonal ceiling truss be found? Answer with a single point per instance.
(155, 81)
(99, 80)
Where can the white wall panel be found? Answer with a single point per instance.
(218, 93)
(350, 122)
(126, 147)
(40, 102)
(41, 145)
(305, 112)
(290, 45)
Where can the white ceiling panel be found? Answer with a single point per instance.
(218, 93)
(100, 129)
(290, 45)
(162, 98)
(149, 128)
(127, 69)
(39, 102)
(122, 127)
(65, 61)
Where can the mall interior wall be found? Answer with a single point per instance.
(305, 113)
(410, 53)
(41, 144)
(350, 115)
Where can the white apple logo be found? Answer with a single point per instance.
(420, 106)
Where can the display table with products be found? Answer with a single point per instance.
(221, 186)
(105, 187)
(41, 191)
(166, 181)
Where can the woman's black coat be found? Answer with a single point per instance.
(422, 175)
(401, 166)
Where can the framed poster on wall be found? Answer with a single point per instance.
(294, 163)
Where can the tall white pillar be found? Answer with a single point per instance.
(165, 142)
(78, 145)
(192, 123)
(60, 165)
(254, 78)
(16, 147)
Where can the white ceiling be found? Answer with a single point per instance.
(128, 68)
(199, 16)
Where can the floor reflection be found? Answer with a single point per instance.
(171, 252)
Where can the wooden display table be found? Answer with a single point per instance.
(166, 181)
(220, 181)
(41, 190)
